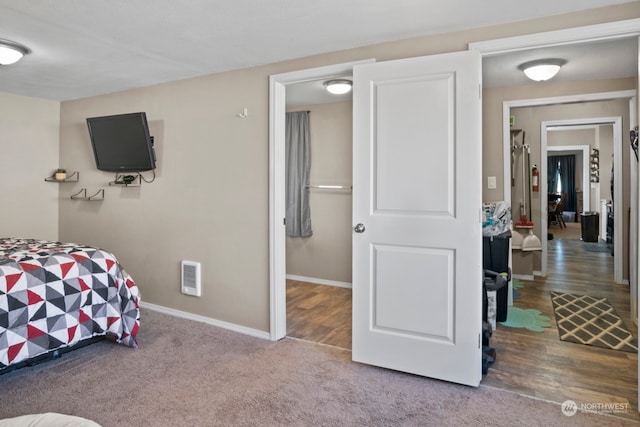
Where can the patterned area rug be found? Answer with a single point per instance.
(592, 321)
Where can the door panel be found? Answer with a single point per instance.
(402, 307)
(417, 275)
(404, 158)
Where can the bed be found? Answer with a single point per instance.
(56, 296)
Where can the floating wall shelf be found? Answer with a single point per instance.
(82, 195)
(74, 177)
(120, 181)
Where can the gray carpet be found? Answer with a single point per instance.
(191, 374)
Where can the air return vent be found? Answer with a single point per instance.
(191, 278)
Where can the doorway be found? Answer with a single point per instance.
(603, 178)
(277, 241)
(319, 266)
(573, 267)
(606, 152)
(539, 128)
(625, 261)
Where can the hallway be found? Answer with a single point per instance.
(539, 364)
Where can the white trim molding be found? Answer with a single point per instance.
(317, 281)
(586, 34)
(208, 320)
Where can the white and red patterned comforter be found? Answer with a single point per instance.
(54, 295)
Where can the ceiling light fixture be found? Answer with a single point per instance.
(542, 69)
(11, 52)
(339, 86)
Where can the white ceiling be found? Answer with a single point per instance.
(590, 61)
(84, 48)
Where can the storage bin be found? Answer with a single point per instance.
(590, 221)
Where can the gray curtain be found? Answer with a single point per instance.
(568, 178)
(298, 162)
(563, 168)
(553, 171)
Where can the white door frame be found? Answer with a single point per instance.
(616, 122)
(277, 238)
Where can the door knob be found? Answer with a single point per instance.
(359, 228)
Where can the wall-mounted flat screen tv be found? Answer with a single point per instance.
(121, 143)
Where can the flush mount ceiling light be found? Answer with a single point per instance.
(11, 52)
(338, 87)
(542, 69)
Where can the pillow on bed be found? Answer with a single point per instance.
(49, 419)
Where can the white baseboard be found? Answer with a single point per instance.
(523, 276)
(319, 281)
(208, 320)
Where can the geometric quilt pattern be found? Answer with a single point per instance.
(55, 294)
(591, 320)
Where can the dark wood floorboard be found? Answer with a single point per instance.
(529, 363)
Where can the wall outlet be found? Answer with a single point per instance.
(491, 182)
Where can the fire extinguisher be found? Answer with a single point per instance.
(535, 179)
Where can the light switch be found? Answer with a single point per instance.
(491, 182)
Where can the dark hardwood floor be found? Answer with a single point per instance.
(539, 364)
(528, 363)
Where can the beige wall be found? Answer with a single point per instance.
(209, 202)
(29, 139)
(492, 101)
(326, 255)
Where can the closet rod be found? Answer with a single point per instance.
(331, 187)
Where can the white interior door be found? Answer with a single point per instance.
(417, 196)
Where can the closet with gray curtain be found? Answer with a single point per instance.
(298, 165)
(319, 158)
